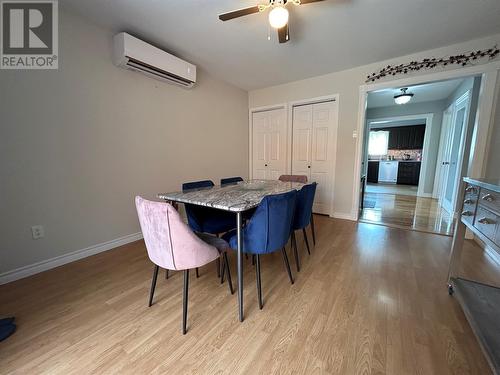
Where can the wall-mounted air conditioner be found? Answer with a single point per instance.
(132, 53)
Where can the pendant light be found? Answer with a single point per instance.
(403, 97)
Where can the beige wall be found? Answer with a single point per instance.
(346, 83)
(77, 144)
(492, 166)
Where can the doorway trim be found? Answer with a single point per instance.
(319, 99)
(485, 109)
(253, 110)
(429, 125)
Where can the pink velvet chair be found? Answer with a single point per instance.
(172, 245)
(293, 178)
(303, 180)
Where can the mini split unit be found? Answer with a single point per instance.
(135, 54)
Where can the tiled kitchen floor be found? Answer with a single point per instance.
(391, 189)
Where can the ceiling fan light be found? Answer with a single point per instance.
(404, 97)
(278, 17)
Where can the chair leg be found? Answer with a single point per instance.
(223, 272)
(259, 286)
(197, 273)
(166, 274)
(228, 271)
(253, 259)
(307, 242)
(295, 251)
(185, 301)
(287, 265)
(218, 267)
(153, 285)
(312, 229)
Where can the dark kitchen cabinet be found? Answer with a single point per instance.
(372, 175)
(406, 137)
(408, 172)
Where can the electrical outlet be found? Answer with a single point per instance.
(37, 232)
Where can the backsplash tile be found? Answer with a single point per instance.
(399, 154)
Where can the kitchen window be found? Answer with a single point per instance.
(378, 143)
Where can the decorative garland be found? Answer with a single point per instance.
(463, 59)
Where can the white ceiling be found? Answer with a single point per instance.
(422, 93)
(325, 36)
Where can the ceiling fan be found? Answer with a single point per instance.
(278, 15)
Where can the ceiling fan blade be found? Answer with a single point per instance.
(284, 34)
(239, 13)
(309, 1)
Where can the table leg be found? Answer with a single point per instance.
(240, 265)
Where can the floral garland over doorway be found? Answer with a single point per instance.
(463, 60)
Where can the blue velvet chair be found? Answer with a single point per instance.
(206, 219)
(230, 181)
(303, 216)
(267, 231)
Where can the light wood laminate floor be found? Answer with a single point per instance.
(407, 212)
(369, 300)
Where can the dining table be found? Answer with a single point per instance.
(238, 198)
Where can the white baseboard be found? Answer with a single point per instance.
(48, 264)
(344, 216)
(425, 195)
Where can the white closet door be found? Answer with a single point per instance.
(314, 148)
(259, 146)
(302, 140)
(323, 154)
(269, 144)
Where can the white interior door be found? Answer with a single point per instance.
(314, 148)
(441, 167)
(453, 154)
(269, 144)
(302, 140)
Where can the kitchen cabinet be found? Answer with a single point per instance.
(372, 175)
(408, 173)
(406, 137)
(388, 171)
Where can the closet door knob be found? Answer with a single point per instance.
(308, 166)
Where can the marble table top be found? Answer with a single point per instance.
(236, 198)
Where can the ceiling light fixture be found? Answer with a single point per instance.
(403, 97)
(278, 17)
